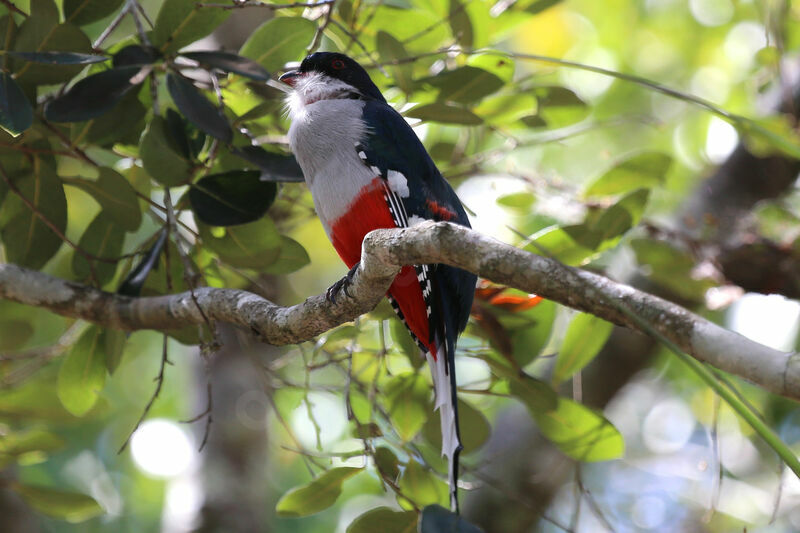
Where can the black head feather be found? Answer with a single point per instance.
(342, 67)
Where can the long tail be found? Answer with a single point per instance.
(443, 371)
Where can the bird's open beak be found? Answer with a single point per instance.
(291, 77)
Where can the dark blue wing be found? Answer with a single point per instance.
(391, 144)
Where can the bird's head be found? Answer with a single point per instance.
(330, 75)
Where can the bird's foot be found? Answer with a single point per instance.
(341, 285)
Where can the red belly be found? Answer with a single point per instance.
(368, 212)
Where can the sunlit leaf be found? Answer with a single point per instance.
(116, 196)
(390, 49)
(69, 506)
(32, 440)
(384, 520)
(460, 23)
(182, 22)
(317, 495)
(473, 426)
(253, 245)
(82, 373)
(409, 405)
(422, 486)
(647, 169)
(437, 519)
(518, 200)
(559, 106)
(229, 62)
(387, 462)
(465, 84)
(113, 346)
(93, 95)
(293, 257)
(671, 267)
(198, 109)
(580, 432)
(404, 341)
(16, 113)
(279, 41)
(585, 337)
(535, 394)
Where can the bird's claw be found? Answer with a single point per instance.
(341, 285)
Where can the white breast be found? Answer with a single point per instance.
(323, 137)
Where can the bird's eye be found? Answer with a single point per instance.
(338, 64)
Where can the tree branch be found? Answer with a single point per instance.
(383, 253)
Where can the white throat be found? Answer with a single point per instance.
(313, 87)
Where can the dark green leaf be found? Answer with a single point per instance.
(123, 124)
(34, 36)
(580, 432)
(473, 426)
(82, 12)
(540, 5)
(196, 107)
(390, 49)
(437, 519)
(185, 138)
(529, 340)
(422, 486)
(82, 373)
(403, 340)
(585, 337)
(229, 62)
(563, 244)
(278, 41)
(116, 196)
(273, 166)
(103, 238)
(559, 107)
(622, 216)
(465, 84)
(293, 257)
(536, 395)
(387, 463)
(135, 54)
(114, 345)
(231, 198)
(16, 113)
(182, 22)
(671, 268)
(133, 283)
(444, 113)
(408, 399)
(317, 495)
(59, 58)
(384, 520)
(253, 245)
(160, 155)
(27, 239)
(647, 169)
(93, 95)
(33, 440)
(14, 333)
(460, 24)
(69, 506)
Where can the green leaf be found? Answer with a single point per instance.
(253, 245)
(293, 257)
(409, 405)
(16, 113)
(559, 107)
(421, 486)
(32, 440)
(182, 22)
(390, 49)
(473, 426)
(495, 63)
(404, 340)
(14, 333)
(83, 12)
(59, 58)
(82, 373)
(387, 463)
(160, 156)
(27, 239)
(444, 113)
(671, 268)
(465, 84)
(69, 506)
(136, 55)
(517, 200)
(36, 35)
(134, 281)
(562, 243)
(537, 395)
(231, 198)
(540, 5)
(529, 340)
(274, 166)
(585, 337)
(196, 107)
(116, 196)
(437, 519)
(647, 169)
(123, 124)
(620, 217)
(229, 62)
(103, 238)
(93, 95)
(384, 520)
(460, 24)
(317, 495)
(114, 345)
(580, 432)
(278, 41)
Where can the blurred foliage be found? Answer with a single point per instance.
(575, 128)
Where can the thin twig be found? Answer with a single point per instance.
(110, 28)
(14, 8)
(159, 379)
(272, 7)
(315, 42)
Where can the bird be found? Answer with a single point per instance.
(367, 170)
